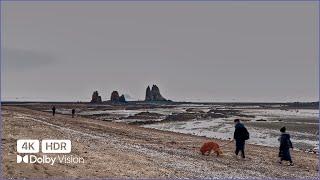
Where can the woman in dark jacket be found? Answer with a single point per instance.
(285, 145)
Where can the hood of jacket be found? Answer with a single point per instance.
(239, 125)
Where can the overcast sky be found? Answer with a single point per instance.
(194, 51)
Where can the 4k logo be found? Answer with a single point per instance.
(28, 146)
(24, 159)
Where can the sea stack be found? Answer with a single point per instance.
(154, 94)
(96, 98)
(122, 99)
(148, 94)
(115, 98)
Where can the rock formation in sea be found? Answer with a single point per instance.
(148, 94)
(96, 98)
(122, 99)
(115, 98)
(154, 94)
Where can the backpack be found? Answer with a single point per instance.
(246, 134)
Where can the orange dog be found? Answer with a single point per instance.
(209, 146)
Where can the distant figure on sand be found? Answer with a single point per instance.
(285, 145)
(73, 112)
(53, 110)
(240, 135)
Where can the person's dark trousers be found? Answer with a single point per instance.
(240, 147)
(285, 155)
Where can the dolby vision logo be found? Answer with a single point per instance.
(24, 159)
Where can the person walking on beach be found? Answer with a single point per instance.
(285, 145)
(53, 110)
(240, 135)
(73, 112)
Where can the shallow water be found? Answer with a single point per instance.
(261, 133)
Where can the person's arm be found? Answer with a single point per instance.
(235, 134)
(290, 143)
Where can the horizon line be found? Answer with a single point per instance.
(104, 102)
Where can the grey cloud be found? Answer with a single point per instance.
(19, 59)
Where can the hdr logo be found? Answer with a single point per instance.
(24, 159)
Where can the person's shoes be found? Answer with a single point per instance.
(291, 164)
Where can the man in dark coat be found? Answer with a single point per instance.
(53, 110)
(73, 111)
(241, 134)
(285, 145)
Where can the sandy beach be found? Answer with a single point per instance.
(119, 150)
